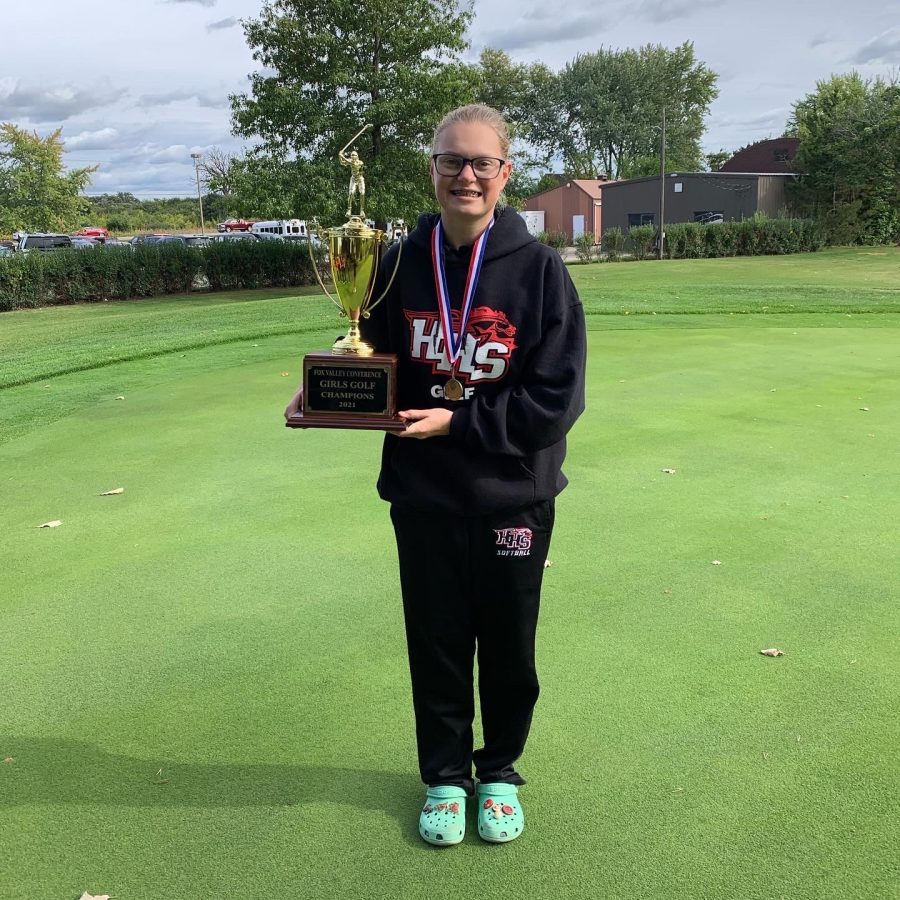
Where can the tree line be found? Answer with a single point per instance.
(327, 66)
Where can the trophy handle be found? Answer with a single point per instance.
(314, 230)
(372, 306)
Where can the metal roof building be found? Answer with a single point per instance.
(694, 197)
(573, 207)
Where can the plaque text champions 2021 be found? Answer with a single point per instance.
(343, 389)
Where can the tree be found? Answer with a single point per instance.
(35, 193)
(715, 160)
(220, 172)
(849, 157)
(509, 88)
(601, 114)
(328, 67)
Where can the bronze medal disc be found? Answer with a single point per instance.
(453, 390)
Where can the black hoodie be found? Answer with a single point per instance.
(522, 367)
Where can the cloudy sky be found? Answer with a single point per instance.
(138, 85)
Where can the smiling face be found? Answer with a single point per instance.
(467, 202)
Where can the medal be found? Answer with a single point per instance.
(454, 341)
(453, 390)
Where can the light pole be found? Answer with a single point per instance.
(196, 157)
(662, 185)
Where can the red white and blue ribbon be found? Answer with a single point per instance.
(454, 341)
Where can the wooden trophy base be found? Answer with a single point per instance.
(349, 391)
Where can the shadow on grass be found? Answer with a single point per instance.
(59, 771)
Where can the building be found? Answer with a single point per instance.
(694, 197)
(573, 207)
(775, 155)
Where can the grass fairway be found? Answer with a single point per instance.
(204, 682)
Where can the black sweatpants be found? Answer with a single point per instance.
(472, 582)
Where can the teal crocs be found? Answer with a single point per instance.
(443, 818)
(500, 816)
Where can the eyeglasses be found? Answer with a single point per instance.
(451, 164)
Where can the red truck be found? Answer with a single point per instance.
(92, 231)
(230, 225)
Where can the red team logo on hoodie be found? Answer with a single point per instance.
(490, 341)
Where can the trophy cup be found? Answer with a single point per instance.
(351, 385)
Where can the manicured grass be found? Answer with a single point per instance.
(204, 681)
(843, 280)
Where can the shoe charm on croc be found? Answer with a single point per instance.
(500, 816)
(442, 821)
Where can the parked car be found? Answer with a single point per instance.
(240, 236)
(396, 231)
(230, 225)
(10, 245)
(283, 227)
(79, 243)
(92, 231)
(5, 251)
(145, 239)
(43, 242)
(197, 240)
(313, 239)
(112, 242)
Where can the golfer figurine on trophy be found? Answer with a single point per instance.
(352, 385)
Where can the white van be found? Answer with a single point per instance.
(281, 228)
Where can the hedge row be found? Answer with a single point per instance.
(691, 240)
(150, 270)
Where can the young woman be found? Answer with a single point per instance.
(491, 342)
(490, 337)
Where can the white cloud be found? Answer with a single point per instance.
(882, 49)
(671, 10)
(92, 140)
(53, 104)
(772, 118)
(207, 99)
(543, 26)
(221, 24)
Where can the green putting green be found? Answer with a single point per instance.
(204, 685)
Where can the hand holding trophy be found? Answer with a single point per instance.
(352, 385)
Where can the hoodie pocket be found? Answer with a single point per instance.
(530, 475)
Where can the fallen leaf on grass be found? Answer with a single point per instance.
(669, 471)
(9, 759)
(54, 524)
(160, 779)
(547, 563)
(285, 374)
(87, 896)
(717, 562)
(864, 409)
(113, 491)
(772, 651)
(120, 397)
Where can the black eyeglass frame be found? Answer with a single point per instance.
(466, 160)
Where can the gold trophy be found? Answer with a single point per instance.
(352, 385)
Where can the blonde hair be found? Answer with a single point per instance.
(476, 113)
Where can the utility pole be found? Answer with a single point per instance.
(662, 184)
(196, 157)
